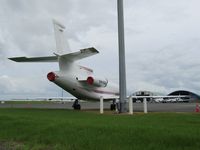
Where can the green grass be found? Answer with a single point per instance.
(43, 129)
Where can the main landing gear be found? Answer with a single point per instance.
(76, 105)
(114, 105)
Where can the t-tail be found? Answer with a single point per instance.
(63, 54)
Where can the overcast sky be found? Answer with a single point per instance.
(162, 43)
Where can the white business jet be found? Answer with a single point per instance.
(78, 80)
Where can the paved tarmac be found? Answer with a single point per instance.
(137, 107)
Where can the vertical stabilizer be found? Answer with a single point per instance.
(61, 43)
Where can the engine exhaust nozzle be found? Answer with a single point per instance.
(51, 76)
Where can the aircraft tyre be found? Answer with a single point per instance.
(77, 107)
(112, 106)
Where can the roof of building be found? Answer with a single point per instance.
(184, 92)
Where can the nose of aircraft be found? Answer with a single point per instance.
(51, 76)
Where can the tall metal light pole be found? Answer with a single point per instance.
(122, 66)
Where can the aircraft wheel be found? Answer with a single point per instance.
(112, 107)
(77, 107)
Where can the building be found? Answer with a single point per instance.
(142, 93)
(192, 97)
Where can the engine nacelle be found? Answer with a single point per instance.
(51, 76)
(97, 82)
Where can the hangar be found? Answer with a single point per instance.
(193, 97)
(142, 93)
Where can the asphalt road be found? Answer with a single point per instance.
(137, 107)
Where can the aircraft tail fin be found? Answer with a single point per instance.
(62, 45)
(63, 55)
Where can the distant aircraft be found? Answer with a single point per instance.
(78, 80)
(158, 100)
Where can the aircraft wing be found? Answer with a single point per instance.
(35, 59)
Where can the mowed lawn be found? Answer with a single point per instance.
(35, 129)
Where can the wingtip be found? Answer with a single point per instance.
(16, 59)
(11, 58)
(94, 49)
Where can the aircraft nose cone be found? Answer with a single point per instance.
(51, 76)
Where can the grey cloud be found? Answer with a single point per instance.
(162, 40)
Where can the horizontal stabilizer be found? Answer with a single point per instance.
(35, 59)
(83, 53)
